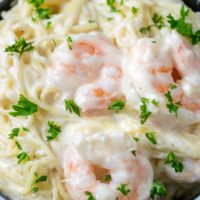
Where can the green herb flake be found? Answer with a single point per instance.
(173, 86)
(14, 133)
(38, 179)
(151, 137)
(25, 129)
(69, 42)
(35, 189)
(133, 152)
(112, 5)
(23, 156)
(72, 107)
(157, 189)
(18, 145)
(157, 22)
(134, 10)
(155, 103)
(123, 188)
(90, 195)
(117, 105)
(183, 27)
(136, 139)
(24, 107)
(144, 112)
(174, 162)
(107, 178)
(49, 25)
(43, 13)
(54, 130)
(19, 47)
(172, 107)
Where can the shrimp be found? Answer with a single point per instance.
(190, 174)
(94, 156)
(155, 66)
(90, 72)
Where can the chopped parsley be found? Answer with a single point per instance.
(25, 129)
(23, 156)
(133, 152)
(35, 189)
(18, 145)
(157, 189)
(19, 47)
(183, 27)
(49, 25)
(14, 133)
(38, 179)
(173, 86)
(174, 162)
(172, 107)
(90, 195)
(144, 112)
(151, 137)
(112, 5)
(42, 13)
(107, 178)
(72, 107)
(136, 139)
(123, 188)
(157, 22)
(54, 130)
(69, 42)
(117, 105)
(155, 103)
(24, 107)
(134, 10)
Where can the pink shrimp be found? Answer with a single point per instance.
(90, 72)
(87, 162)
(155, 66)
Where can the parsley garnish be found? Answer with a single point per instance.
(14, 133)
(172, 107)
(174, 162)
(43, 13)
(69, 42)
(133, 152)
(155, 103)
(151, 137)
(23, 156)
(136, 139)
(18, 145)
(90, 195)
(19, 47)
(112, 5)
(107, 178)
(117, 105)
(72, 107)
(184, 28)
(35, 189)
(157, 22)
(54, 130)
(134, 10)
(145, 113)
(123, 188)
(38, 179)
(25, 129)
(157, 189)
(24, 107)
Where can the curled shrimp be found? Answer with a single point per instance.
(87, 70)
(155, 66)
(190, 174)
(97, 155)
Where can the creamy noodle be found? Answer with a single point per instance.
(28, 76)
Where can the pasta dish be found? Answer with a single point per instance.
(99, 99)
